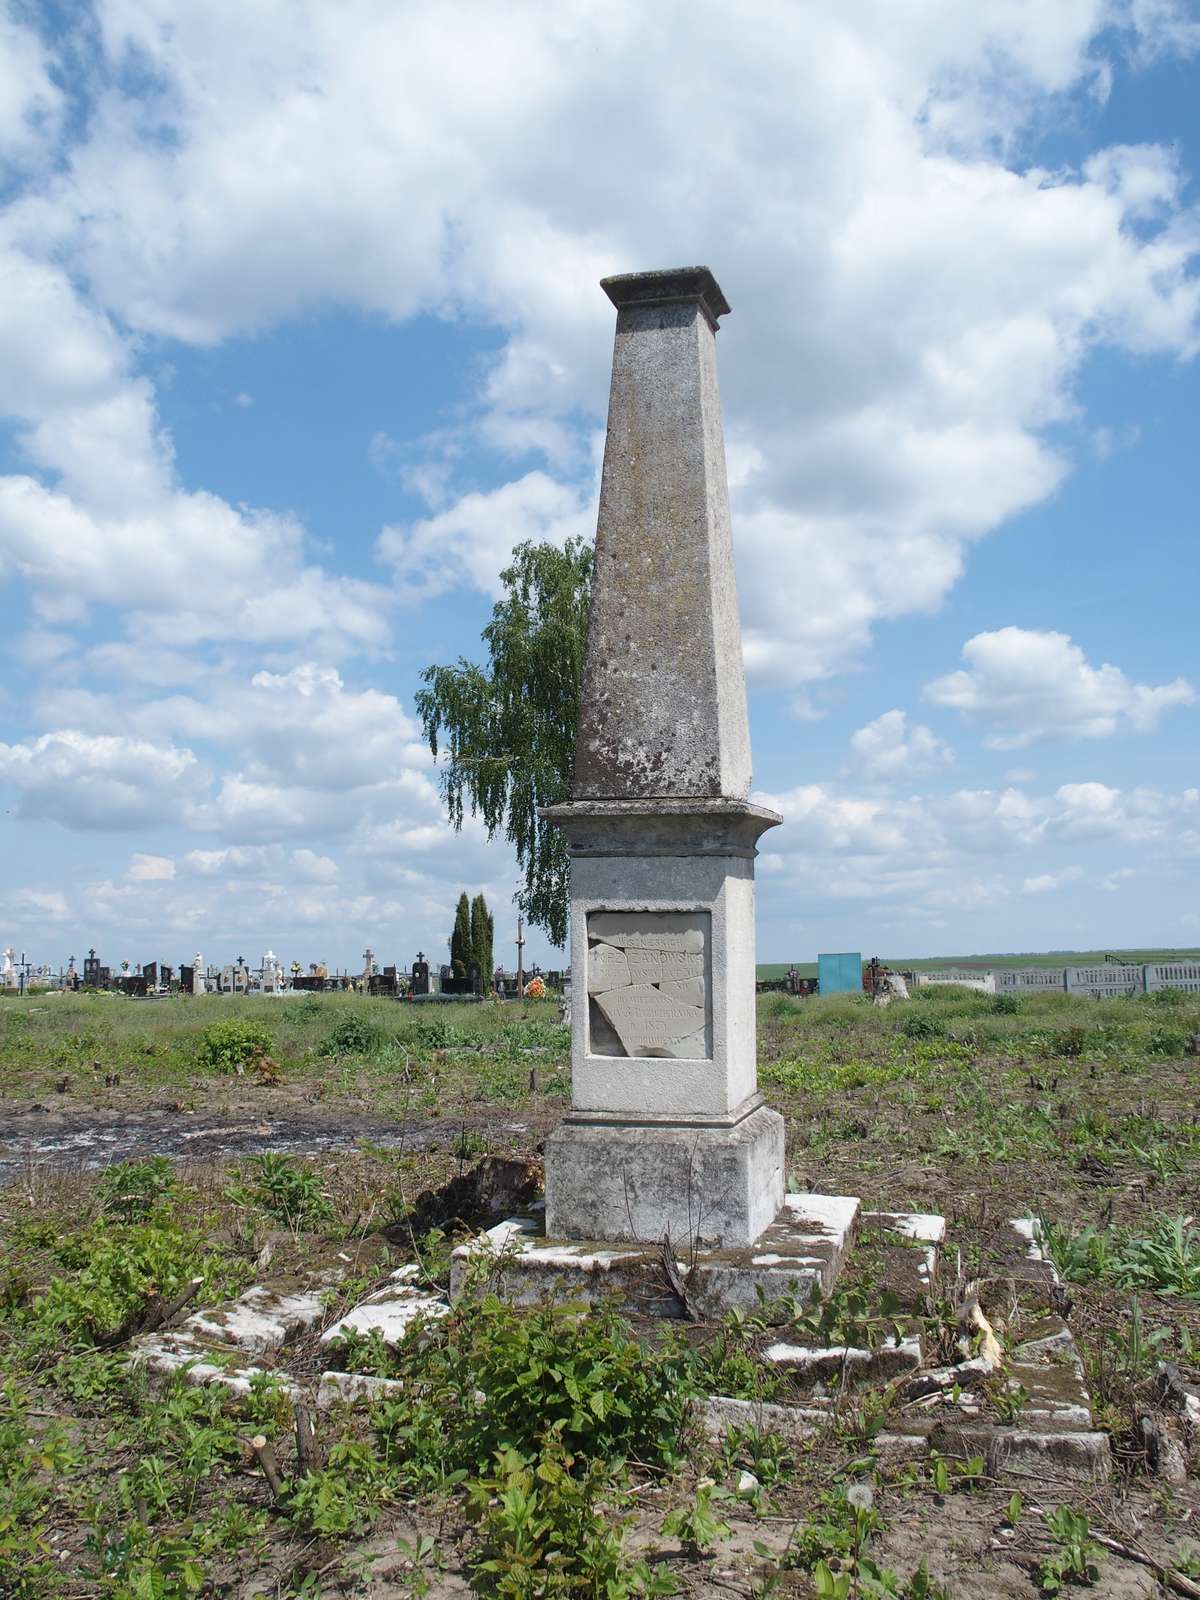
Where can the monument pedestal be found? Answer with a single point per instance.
(716, 1183)
(667, 1133)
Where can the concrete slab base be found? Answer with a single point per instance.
(804, 1248)
(717, 1183)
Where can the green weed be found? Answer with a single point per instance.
(1076, 1558)
(1166, 1259)
(284, 1190)
(352, 1035)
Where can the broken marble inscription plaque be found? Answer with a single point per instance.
(647, 985)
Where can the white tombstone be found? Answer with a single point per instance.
(197, 973)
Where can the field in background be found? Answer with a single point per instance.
(1043, 958)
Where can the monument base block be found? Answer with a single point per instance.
(716, 1182)
(804, 1247)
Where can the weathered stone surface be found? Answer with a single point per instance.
(689, 990)
(908, 1259)
(840, 1362)
(391, 1311)
(721, 1185)
(261, 1319)
(608, 968)
(646, 1020)
(1048, 1338)
(645, 966)
(1081, 1455)
(678, 931)
(663, 710)
(924, 1227)
(808, 1249)
(178, 1354)
(630, 954)
(694, 1048)
(344, 1388)
(720, 1413)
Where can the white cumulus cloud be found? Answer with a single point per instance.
(1027, 685)
(890, 748)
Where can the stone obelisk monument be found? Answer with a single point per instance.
(667, 1134)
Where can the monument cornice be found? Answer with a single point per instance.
(670, 286)
(672, 825)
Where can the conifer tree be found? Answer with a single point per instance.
(460, 938)
(482, 928)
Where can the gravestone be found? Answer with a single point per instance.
(667, 1132)
(665, 1180)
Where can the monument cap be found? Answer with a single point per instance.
(668, 286)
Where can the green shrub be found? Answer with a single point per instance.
(1166, 1041)
(919, 1025)
(550, 1528)
(351, 1035)
(228, 1046)
(111, 1270)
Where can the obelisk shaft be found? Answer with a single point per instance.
(664, 696)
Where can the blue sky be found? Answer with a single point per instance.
(300, 331)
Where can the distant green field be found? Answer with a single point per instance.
(1042, 958)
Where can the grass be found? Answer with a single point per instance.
(350, 1049)
(543, 1448)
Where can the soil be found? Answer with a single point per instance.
(89, 1138)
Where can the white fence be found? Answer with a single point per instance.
(1104, 981)
(984, 981)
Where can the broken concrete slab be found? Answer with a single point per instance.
(346, 1388)
(167, 1356)
(839, 1363)
(391, 1311)
(261, 1319)
(803, 1249)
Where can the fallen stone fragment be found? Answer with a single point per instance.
(262, 1319)
(1164, 1454)
(391, 1311)
(337, 1388)
(941, 1380)
(166, 1356)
